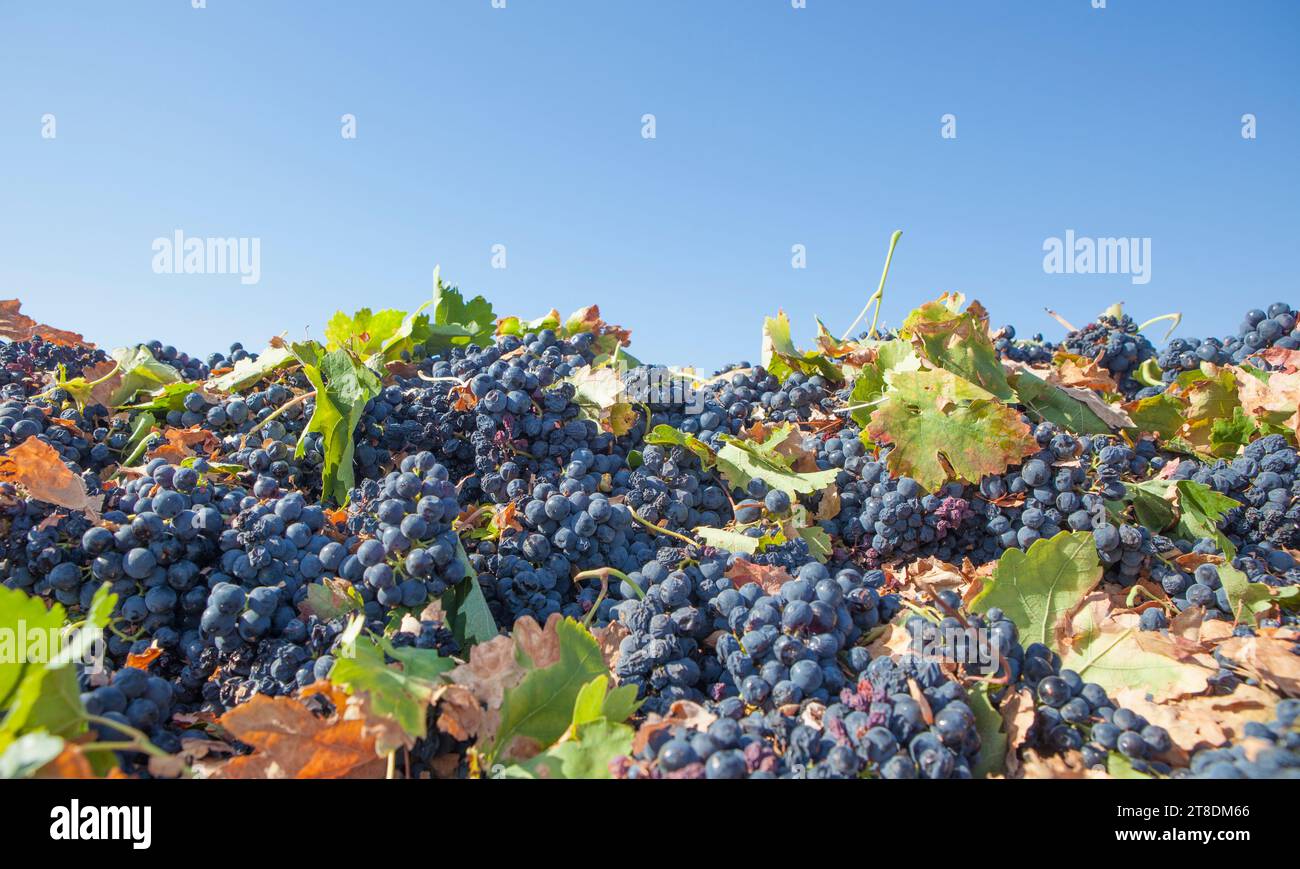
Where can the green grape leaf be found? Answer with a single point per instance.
(819, 542)
(1200, 510)
(457, 322)
(364, 333)
(466, 609)
(601, 398)
(742, 461)
(872, 382)
(140, 371)
(403, 691)
(989, 725)
(328, 599)
(1151, 504)
(958, 342)
(1119, 766)
(247, 372)
(342, 389)
(1161, 415)
(596, 700)
(39, 690)
(22, 616)
(1246, 599)
(732, 541)
(1049, 402)
(781, 358)
(518, 327)
(1040, 588)
(170, 397)
(589, 756)
(540, 708)
(942, 427)
(1210, 397)
(666, 435)
(1228, 436)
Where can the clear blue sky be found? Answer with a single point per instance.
(522, 126)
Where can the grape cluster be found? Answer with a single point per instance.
(873, 727)
(1034, 351)
(1116, 344)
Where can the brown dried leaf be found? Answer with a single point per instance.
(932, 575)
(1286, 361)
(1268, 658)
(769, 576)
(829, 507)
(37, 467)
(1199, 722)
(1279, 394)
(893, 642)
(682, 713)
(609, 638)
(1058, 766)
(492, 670)
(1111, 414)
(540, 644)
(1018, 716)
(463, 717)
(290, 742)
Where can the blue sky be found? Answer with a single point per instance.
(522, 127)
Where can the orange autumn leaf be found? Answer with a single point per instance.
(290, 742)
(588, 320)
(179, 444)
(1074, 370)
(17, 326)
(464, 398)
(70, 763)
(145, 658)
(37, 467)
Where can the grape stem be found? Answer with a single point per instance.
(117, 366)
(653, 527)
(138, 741)
(879, 295)
(293, 402)
(1176, 317)
(602, 573)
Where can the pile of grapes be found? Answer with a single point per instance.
(793, 569)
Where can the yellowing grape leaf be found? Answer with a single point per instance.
(959, 342)
(1116, 655)
(943, 427)
(1275, 399)
(1040, 588)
